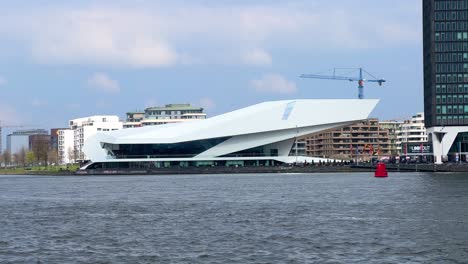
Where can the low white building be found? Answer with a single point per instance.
(85, 127)
(411, 131)
(65, 146)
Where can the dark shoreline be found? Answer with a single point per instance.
(253, 170)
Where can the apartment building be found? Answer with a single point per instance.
(65, 146)
(360, 141)
(393, 127)
(412, 132)
(87, 126)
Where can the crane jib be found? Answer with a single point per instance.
(359, 79)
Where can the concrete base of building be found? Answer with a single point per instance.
(443, 139)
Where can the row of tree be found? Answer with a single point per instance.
(24, 157)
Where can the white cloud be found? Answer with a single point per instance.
(3, 81)
(258, 57)
(274, 83)
(161, 34)
(102, 82)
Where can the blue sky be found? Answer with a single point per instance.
(61, 60)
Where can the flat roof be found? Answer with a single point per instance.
(175, 107)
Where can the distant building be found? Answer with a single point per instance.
(54, 136)
(299, 148)
(411, 132)
(88, 126)
(20, 139)
(134, 119)
(360, 141)
(65, 146)
(171, 113)
(393, 127)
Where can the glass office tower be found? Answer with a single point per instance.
(445, 62)
(445, 35)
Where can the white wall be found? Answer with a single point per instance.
(65, 145)
(85, 127)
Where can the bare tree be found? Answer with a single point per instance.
(52, 156)
(72, 154)
(15, 158)
(20, 157)
(6, 157)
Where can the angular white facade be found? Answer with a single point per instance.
(264, 131)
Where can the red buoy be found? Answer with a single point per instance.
(381, 171)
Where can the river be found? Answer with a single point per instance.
(280, 218)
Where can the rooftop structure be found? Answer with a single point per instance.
(160, 115)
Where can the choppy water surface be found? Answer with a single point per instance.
(317, 218)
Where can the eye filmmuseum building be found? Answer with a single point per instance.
(259, 135)
(445, 35)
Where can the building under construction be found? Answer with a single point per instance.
(360, 141)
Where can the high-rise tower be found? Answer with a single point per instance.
(445, 36)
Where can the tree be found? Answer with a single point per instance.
(52, 156)
(6, 157)
(20, 157)
(30, 158)
(15, 159)
(72, 155)
(40, 147)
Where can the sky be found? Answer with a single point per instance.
(61, 60)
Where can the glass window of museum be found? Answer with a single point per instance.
(450, 57)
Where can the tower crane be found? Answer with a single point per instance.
(360, 79)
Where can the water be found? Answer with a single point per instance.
(316, 218)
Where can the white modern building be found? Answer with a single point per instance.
(85, 127)
(65, 146)
(411, 132)
(259, 135)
